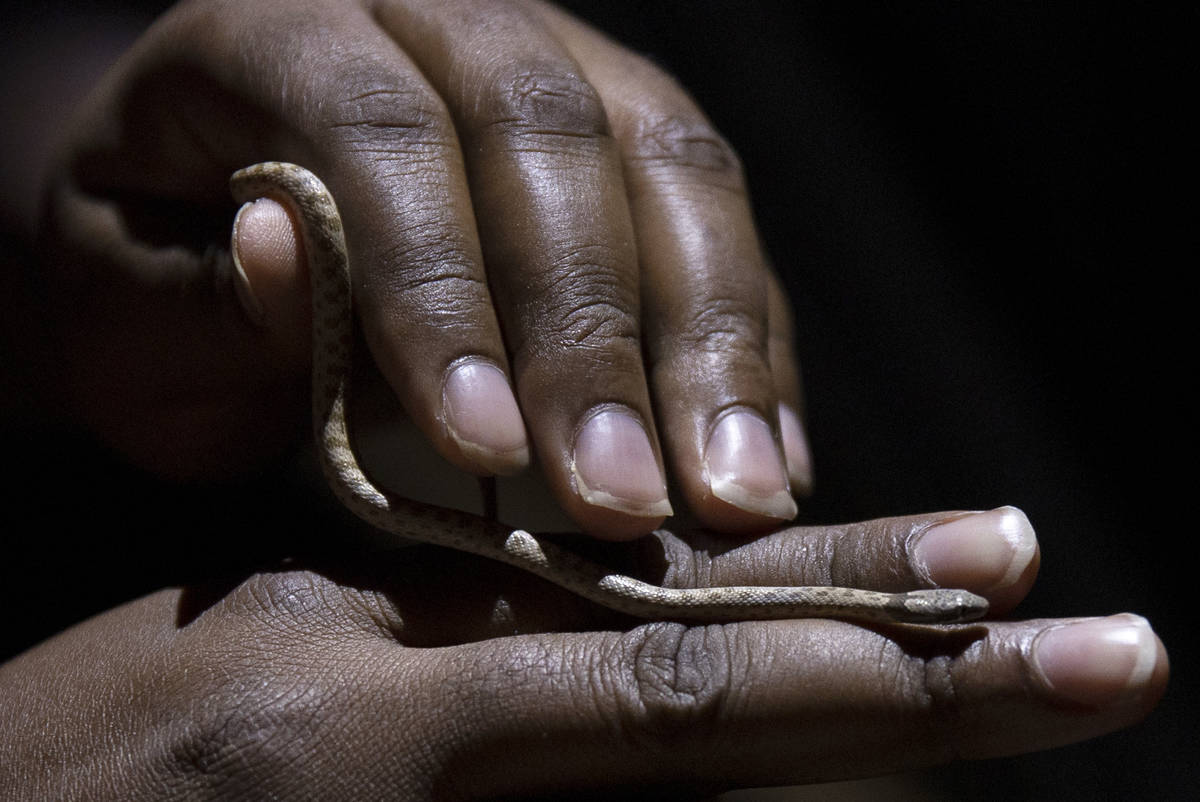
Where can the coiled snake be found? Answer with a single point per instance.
(333, 338)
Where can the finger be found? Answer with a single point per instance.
(439, 598)
(992, 553)
(785, 367)
(770, 703)
(705, 290)
(381, 139)
(546, 181)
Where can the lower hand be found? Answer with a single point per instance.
(435, 675)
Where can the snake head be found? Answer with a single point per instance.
(940, 606)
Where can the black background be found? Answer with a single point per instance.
(985, 216)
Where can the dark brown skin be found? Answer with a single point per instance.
(518, 192)
(430, 675)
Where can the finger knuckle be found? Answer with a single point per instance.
(429, 270)
(722, 325)
(673, 148)
(670, 680)
(718, 334)
(581, 301)
(543, 107)
(868, 554)
(685, 563)
(589, 326)
(383, 115)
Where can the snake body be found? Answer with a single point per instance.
(333, 341)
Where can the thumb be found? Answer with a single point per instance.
(271, 278)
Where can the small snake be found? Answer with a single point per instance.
(333, 339)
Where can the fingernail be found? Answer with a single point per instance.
(241, 282)
(745, 467)
(796, 453)
(615, 468)
(483, 418)
(1098, 661)
(978, 551)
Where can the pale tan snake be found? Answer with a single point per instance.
(333, 338)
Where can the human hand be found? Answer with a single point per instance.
(433, 674)
(528, 206)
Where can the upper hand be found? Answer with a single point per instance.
(553, 253)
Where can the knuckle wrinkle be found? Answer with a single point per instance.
(549, 104)
(672, 145)
(380, 115)
(673, 680)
